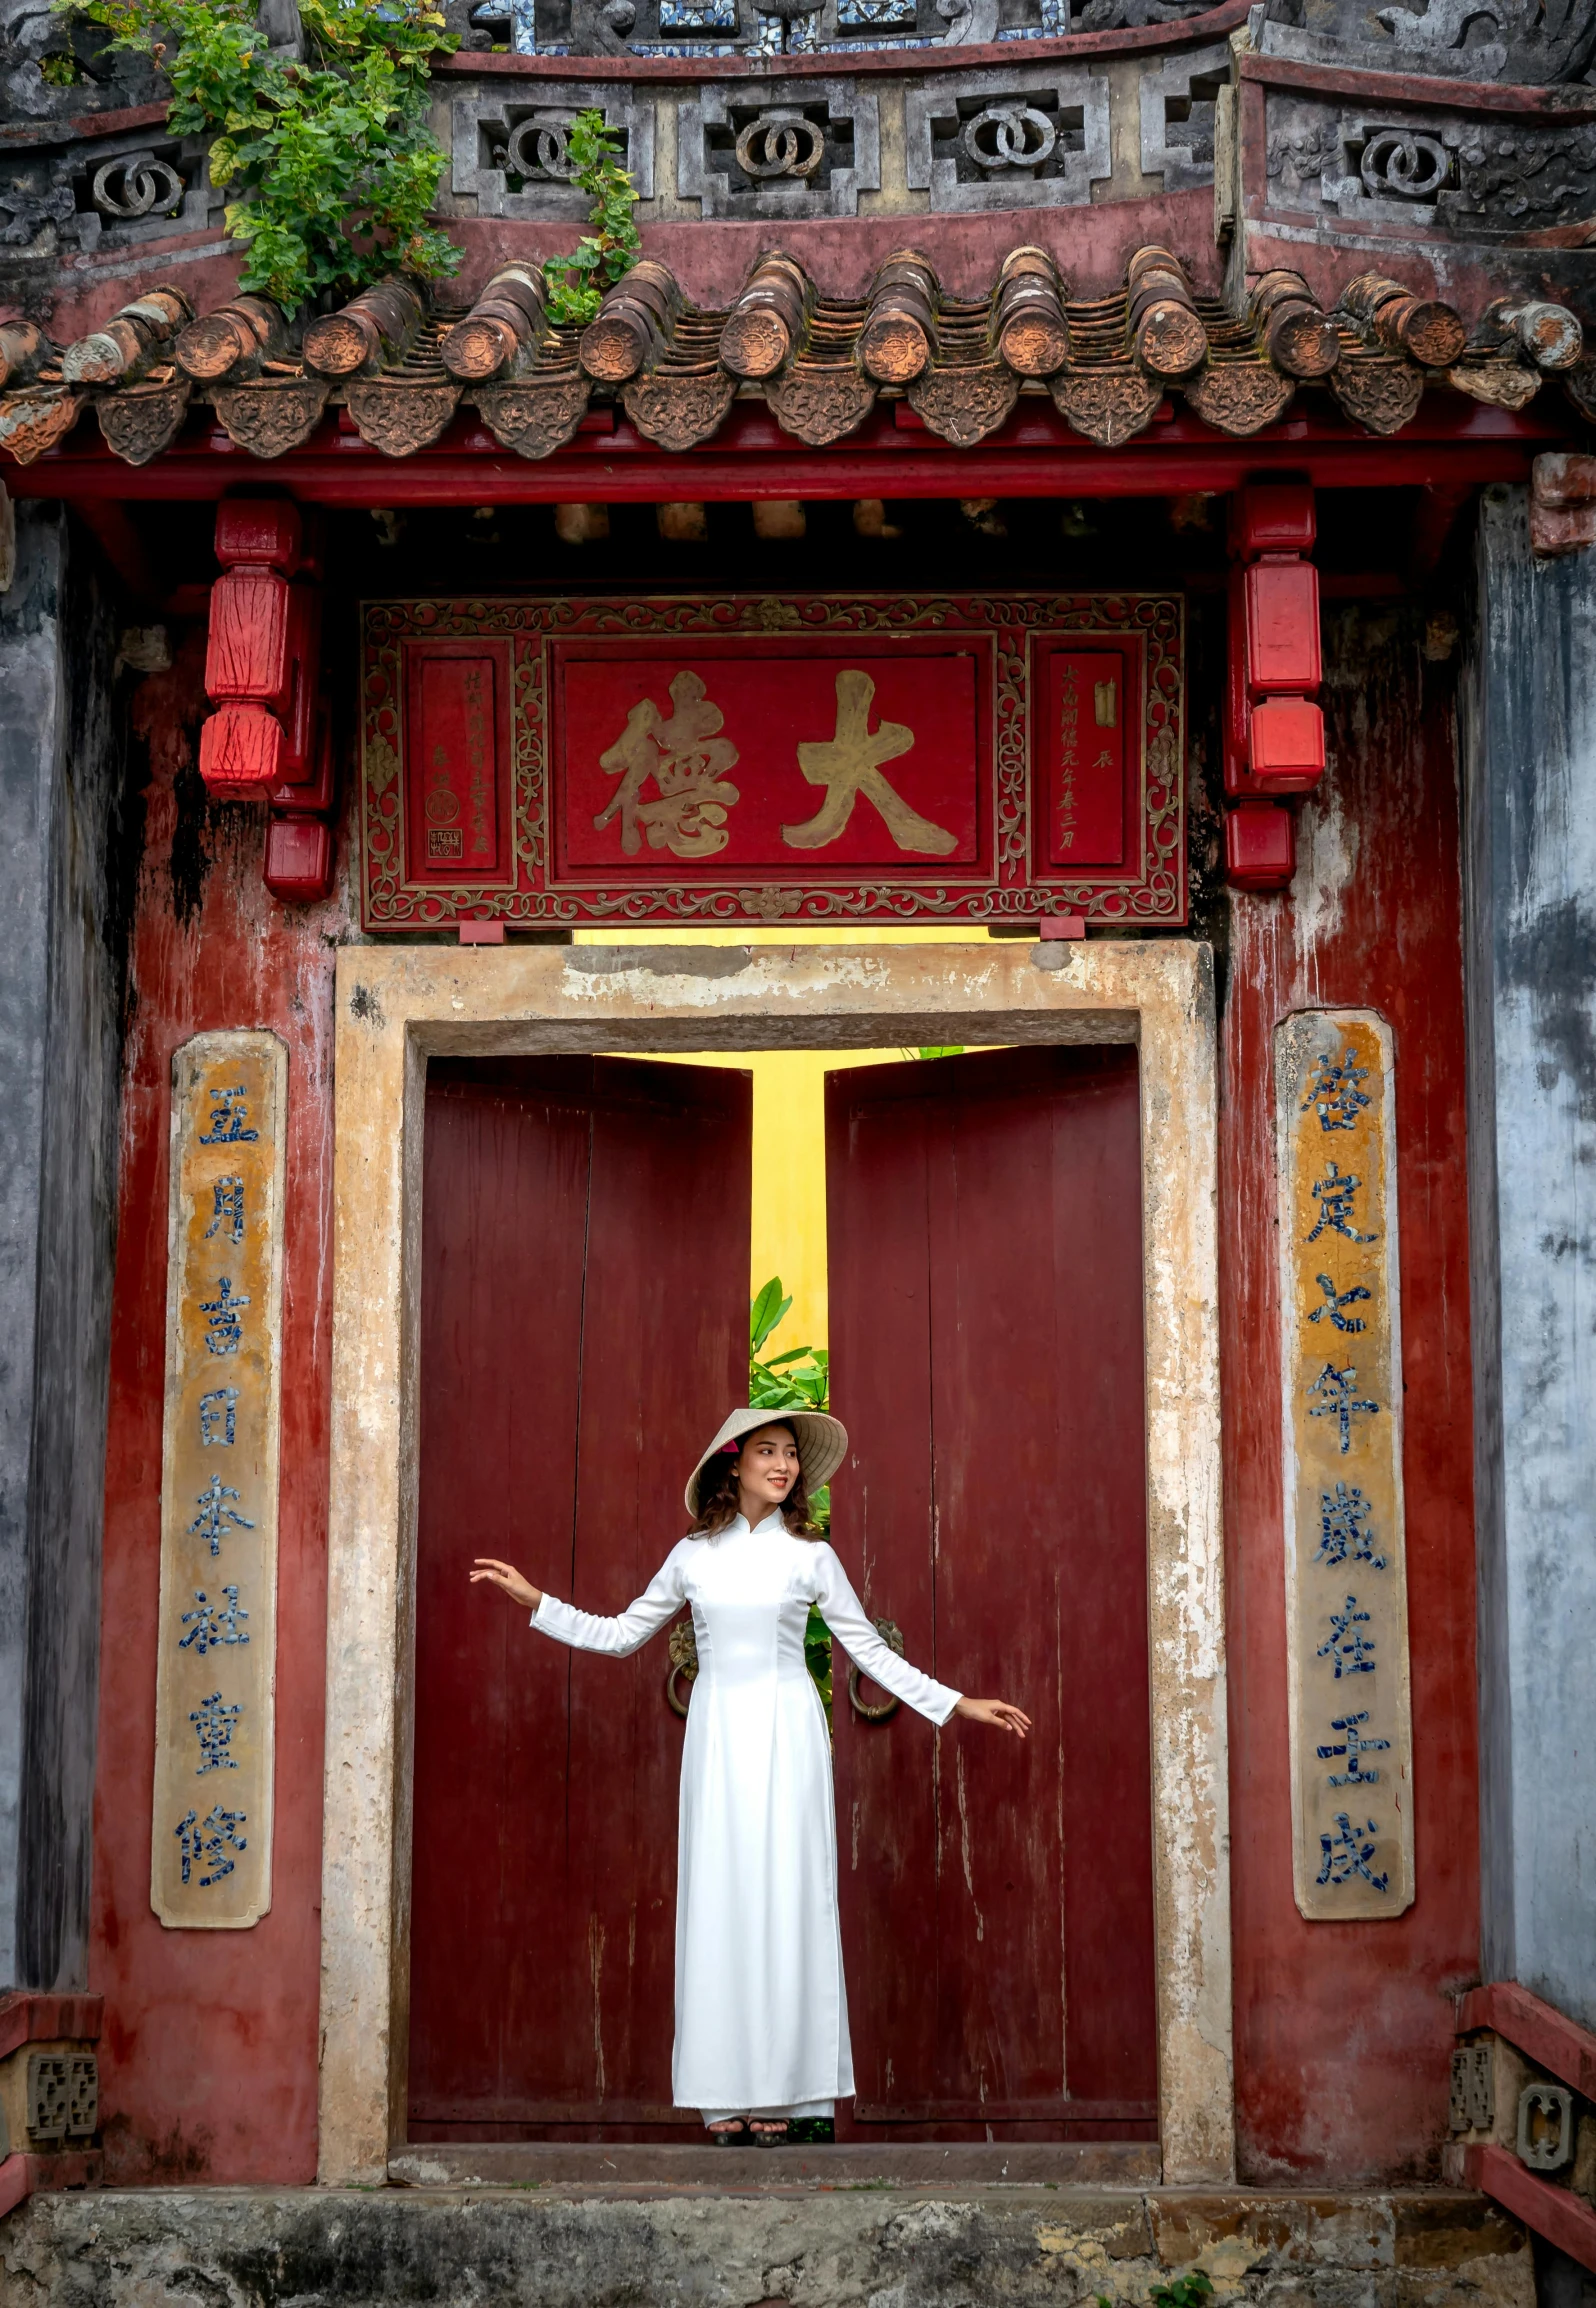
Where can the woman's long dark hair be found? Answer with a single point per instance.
(717, 1495)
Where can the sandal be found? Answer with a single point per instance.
(770, 2134)
(734, 2135)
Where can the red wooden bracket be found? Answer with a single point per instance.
(1260, 846)
(482, 933)
(262, 657)
(270, 736)
(299, 858)
(1062, 926)
(1274, 730)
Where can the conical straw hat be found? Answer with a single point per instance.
(822, 1444)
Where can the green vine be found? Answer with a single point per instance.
(331, 160)
(577, 282)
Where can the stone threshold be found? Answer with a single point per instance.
(853, 2245)
(695, 2164)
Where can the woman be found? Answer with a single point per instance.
(761, 2011)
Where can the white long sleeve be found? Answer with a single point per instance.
(844, 1614)
(585, 1631)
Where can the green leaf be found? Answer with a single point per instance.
(334, 160)
(766, 1313)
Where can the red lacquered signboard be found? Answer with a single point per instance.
(988, 757)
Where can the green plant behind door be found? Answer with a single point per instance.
(798, 1379)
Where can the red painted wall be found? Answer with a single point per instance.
(1343, 2030)
(208, 2062)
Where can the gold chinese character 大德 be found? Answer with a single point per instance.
(686, 760)
(849, 764)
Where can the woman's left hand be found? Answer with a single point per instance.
(994, 1711)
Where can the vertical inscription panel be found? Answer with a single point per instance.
(210, 1857)
(1346, 1561)
(1089, 740)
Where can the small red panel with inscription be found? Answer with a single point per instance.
(990, 758)
(457, 755)
(1088, 740)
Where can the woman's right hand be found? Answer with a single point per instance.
(508, 1579)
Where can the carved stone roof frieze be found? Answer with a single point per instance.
(1032, 137)
(511, 152)
(752, 152)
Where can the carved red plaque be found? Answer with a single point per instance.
(988, 757)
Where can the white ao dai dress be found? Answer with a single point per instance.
(761, 2008)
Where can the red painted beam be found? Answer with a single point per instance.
(1563, 2218)
(1539, 2030)
(1036, 455)
(26, 2018)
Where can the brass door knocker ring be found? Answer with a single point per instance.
(892, 1635)
(684, 1663)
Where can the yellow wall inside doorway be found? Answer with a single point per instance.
(788, 1235)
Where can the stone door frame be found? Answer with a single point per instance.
(397, 1006)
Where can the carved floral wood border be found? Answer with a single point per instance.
(1017, 890)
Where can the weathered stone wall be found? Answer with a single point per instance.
(1530, 753)
(61, 946)
(759, 2249)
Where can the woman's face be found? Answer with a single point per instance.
(767, 1470)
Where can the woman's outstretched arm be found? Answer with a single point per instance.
(844, 1614)
(659, 1602)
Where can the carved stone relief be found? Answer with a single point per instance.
(998, 139)
(513, 153)
(1179, 99)
(1526, 43)
(127, 189)
(106, 192)
(808, 151)
(707, 28)
(1438, 170)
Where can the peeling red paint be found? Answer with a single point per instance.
(1343, 2031)
(208, 2063)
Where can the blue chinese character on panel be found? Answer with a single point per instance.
(229, 1118)
(1346, 1854)
(1336, 1302)
(1349, 1651)
(1354, 1746)
(1334, 1094)
(1345, 1531)
(214, 1726)
(215, 1518)
(216, 1421)
(207, 1845)
(1340, 1400)
(224, 1330)
(1334, 1194)
(211, 1626)
(228, 1197)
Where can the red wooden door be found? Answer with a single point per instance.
(984, 1219)
(583, 1329)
